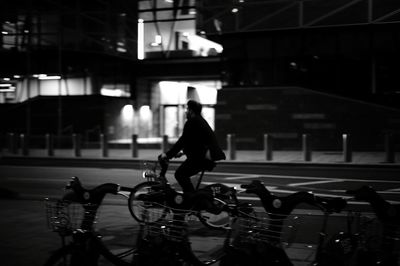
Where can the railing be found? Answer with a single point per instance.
(21, 144)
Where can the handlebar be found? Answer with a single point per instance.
(164, 163)
(384, 210)
(93, 196)
(286, 204)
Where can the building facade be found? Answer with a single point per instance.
(132, 65)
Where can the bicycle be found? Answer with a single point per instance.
(377, 241)
(74, 217)
(168, 241)
(258, 240)
(372, 241)
(208, 203)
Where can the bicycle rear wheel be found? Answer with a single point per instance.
(116, 234)
(146, 211)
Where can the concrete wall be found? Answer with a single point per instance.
(288, 112)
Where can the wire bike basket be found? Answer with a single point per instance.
(264, 228)
(376, 234)
(65, 216)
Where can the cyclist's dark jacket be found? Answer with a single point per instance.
(196, 139)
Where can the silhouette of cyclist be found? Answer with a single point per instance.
(199, 143)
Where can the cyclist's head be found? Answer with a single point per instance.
(194, 107)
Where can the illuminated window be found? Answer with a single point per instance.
(127, 112)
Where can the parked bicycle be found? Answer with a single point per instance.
(74, 218)
(258, 239)
(370, 239)
(208, 203)
(169, 241)
(377, 240)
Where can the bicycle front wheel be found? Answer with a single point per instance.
(145, 211)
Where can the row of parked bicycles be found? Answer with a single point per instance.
(175, 228)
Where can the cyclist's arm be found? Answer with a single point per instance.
(175, 149)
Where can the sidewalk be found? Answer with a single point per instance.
(256, 156)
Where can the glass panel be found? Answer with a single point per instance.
(171, 123)
(209, 115)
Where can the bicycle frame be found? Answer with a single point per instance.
(156, 189)
(278, 210)
(150, 174)
(86, 245)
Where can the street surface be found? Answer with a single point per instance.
(37, 182)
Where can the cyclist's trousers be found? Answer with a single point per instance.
(187, 169)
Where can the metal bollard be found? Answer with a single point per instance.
(50, 144)
(268, 142)
(104, 145)
(134, 146)
(389, 148)
(164, 144)
(347, 151)
(231, 141)
(12, 143)
(306, 147)
(24, 141)
(76, 144)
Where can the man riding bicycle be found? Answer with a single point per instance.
(199, 143)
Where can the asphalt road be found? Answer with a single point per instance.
(36, 182)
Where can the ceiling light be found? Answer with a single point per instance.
(49, 77)
(5, 85)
